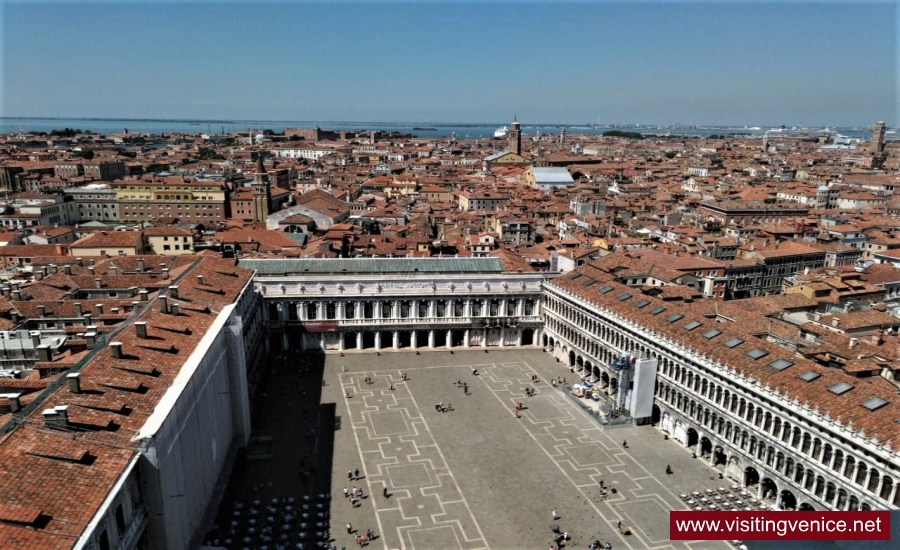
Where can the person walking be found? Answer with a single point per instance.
(349, 528)
(350, 475)
(346, 492)
(356, 474)
(553, 513)
(384, 491)
(353, 491)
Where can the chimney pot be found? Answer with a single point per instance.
(14, 404)
(53, 268)
(99, 308)
(35, 338)
(173, 291)
(38, 276)
(199, 279)
(116, 349)
(164, 304)
(74, 382)
(165, 273)
(98, 282)
(90, 338)
(91, 269)
(174, 309)
(141, 329)
(87, 319)
(67, 269)
(77, 306)
(41, 310)
(17, 295)
(143, 294)
(140, 263)
(44, 353)
(15, 286)
(79, 261)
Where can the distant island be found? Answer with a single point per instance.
(418, 129)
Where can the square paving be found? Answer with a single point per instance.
(472, 477)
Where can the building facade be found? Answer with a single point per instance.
(742, 405)
(349, 304)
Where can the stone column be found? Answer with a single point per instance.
(413, 340)
(467, 308)
(432, 307)
(320, 310)
(449, 339)
(520, 308)
(340, 341)
(396, 339)
(322, 341)
(893, 495)
(414, 313)
(359, 342)
(358, 311)
(466, 338)
(396, 308)
(431, 339)
(301, 312)
(502, 337)
(519, 332)
(484, 333)
(378, 339)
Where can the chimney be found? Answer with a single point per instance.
(14, 404)
(99, 308)
(876, 338)
(35, 337)
(853, 342)
(41, 311)
(165, 273)
(38, 276)
(173, 291)
(78, 311)
(74, 382)
(17, 295)
(15, 286)
(141, 329)
(143, 295)
(199, 279)
(114, 269)
(44, 353)
(87, 319)
(57, 417)
(67, 269)
(91, 269)
(79, 261)
(116, 349)
(53, 268)
(163, 304)
(90, 338)
(140, 265)
(5, 291)
(836, 322)
(174, 309)
(98, 282)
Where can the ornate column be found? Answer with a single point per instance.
(359, 342)
(467, 308)
(301, 312)
(519, 332)
(358, 309)
(502, 337)
(320, 309)
(449, 339)
(414, 314)
(396, 339)
(413, 340)
(431, 339)
(378, 339)
(432, 306)
(484, 333)
(340, 341)
(466, 339)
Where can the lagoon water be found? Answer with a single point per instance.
(11, 125)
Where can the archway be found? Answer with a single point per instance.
(767, 488)
(440, 338)
(705, 446)
(544, 339)
(692, 437)
(458, 337)
(656, 415)
(571, 358)
(528, 337)
(604, 380)
(788, 501)
(368, 340)
(680, 432)
(719, 458)
(404, 339)
(751, 477)
(349, 340)
(806, 507)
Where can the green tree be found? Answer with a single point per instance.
(670, 154)
(86, 154)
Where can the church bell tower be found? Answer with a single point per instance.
(262, 193)
(515, 138)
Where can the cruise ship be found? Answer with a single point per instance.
(501, 132)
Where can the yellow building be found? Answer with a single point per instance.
(109, 243)
(184, 199)
(169, 241)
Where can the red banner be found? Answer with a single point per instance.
(320, 326)
(773, 525)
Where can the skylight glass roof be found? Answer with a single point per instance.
(623, 297)
(733, 343)
(642, 303)
(605, 289)
(692, 325)
(675, 317)
(874, 403)
(809, 376)
(757, 353)
(710, 334)
(781, 364)
(840, 388)
(588, 282)
(657, 310)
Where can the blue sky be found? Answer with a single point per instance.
(706, 63)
